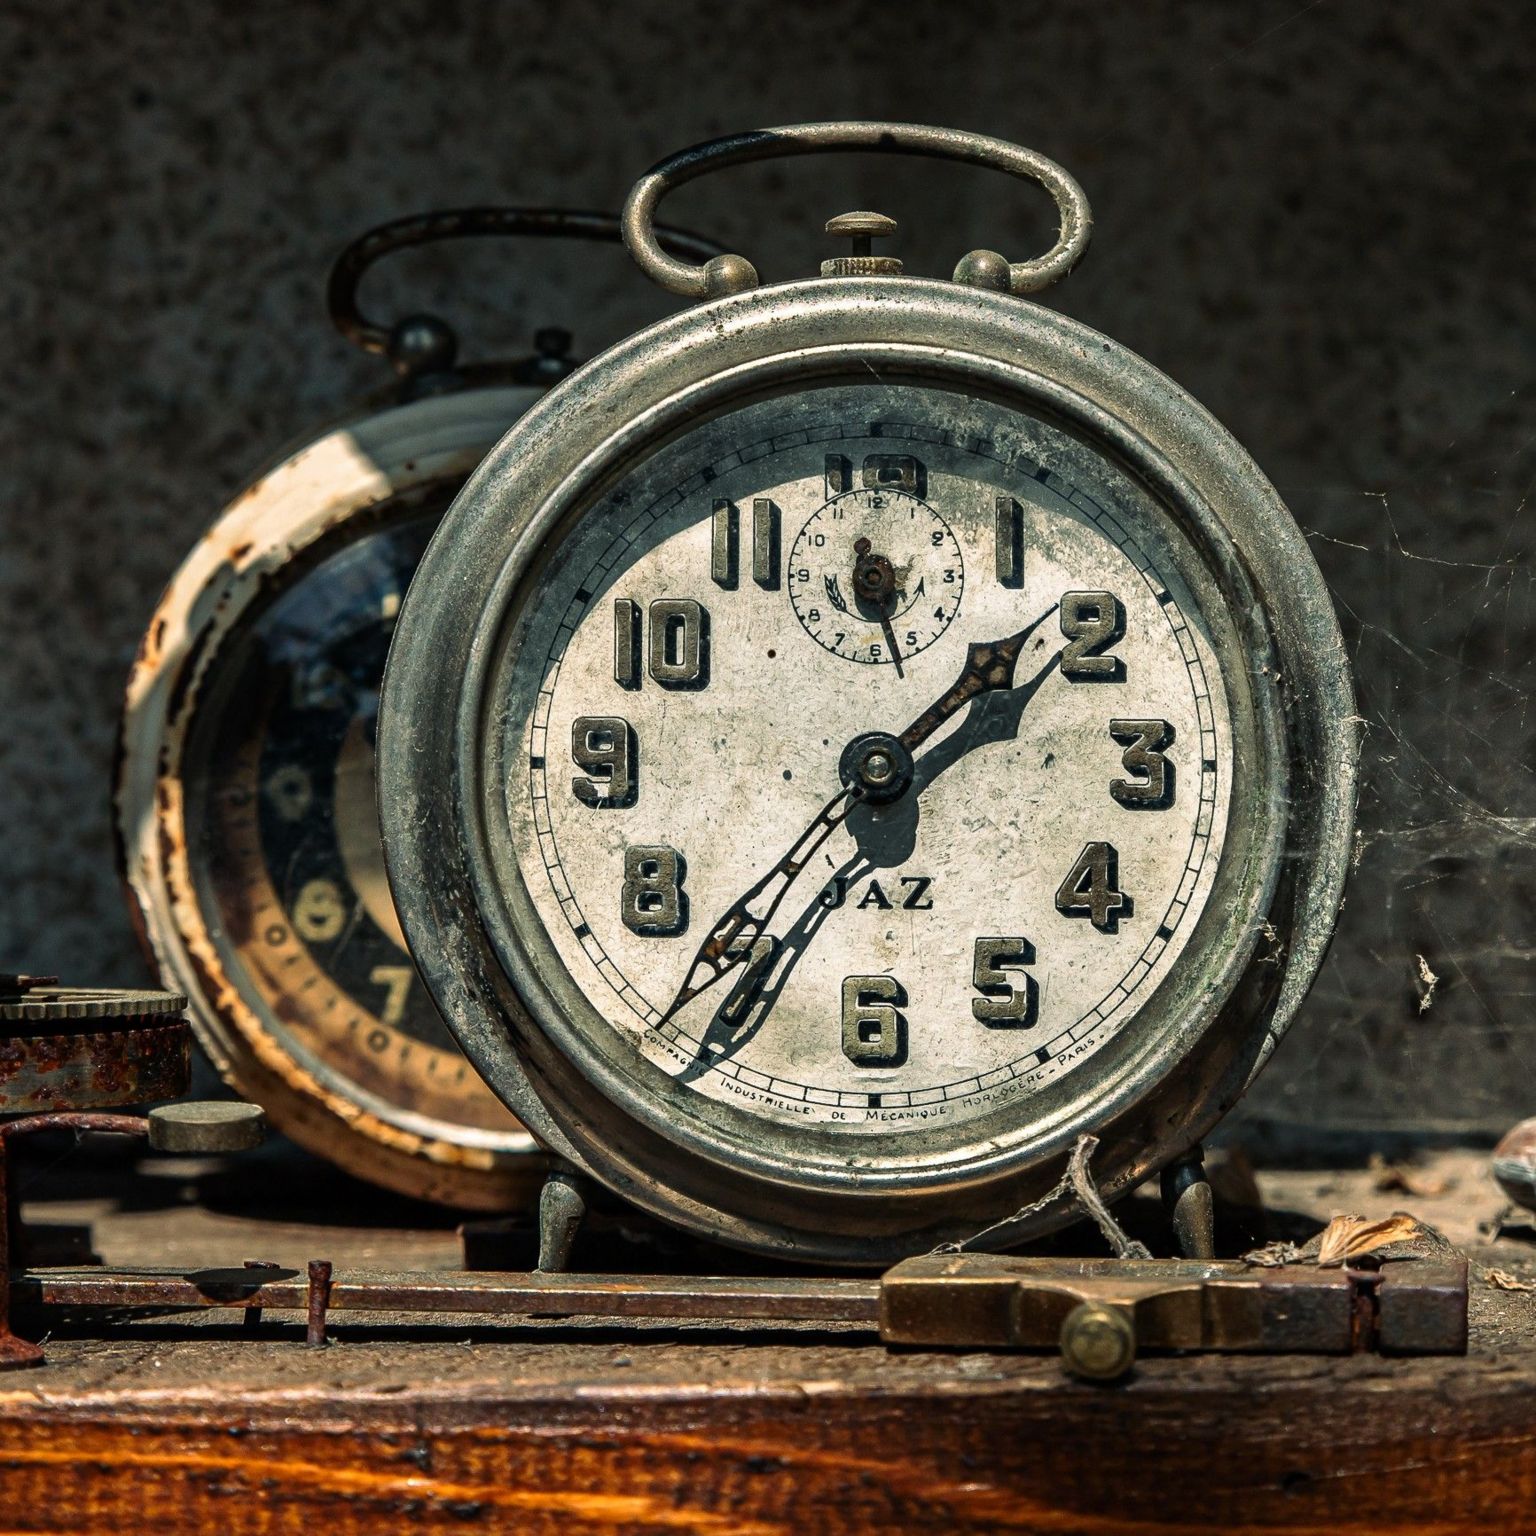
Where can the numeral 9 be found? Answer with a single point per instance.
(605, 746)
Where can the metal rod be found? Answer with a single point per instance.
(706, 1299)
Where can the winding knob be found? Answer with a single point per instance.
(861, 228)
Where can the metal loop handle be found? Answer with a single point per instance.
(462, 223)
(735, 274)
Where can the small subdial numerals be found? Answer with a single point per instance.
(857, 618)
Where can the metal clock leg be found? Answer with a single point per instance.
(1187, 1196)
(562, 1208)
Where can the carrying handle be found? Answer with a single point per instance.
(735, 274)
(421, 343)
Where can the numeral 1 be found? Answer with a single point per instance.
(725, 540)
(1092, 888)
(1010, 542)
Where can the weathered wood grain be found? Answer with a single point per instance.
(567, 1434)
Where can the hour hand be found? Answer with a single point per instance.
(989, 665)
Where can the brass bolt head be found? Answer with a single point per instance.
(1097, 1343)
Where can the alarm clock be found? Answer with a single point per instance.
(861, 735)
(245, 790)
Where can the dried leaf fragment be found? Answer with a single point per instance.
(1427, 981)
(1502, 1280)
(1351, 1237)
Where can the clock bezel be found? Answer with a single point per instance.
(492, 975)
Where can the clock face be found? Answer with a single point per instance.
(863, 762)
(284, 839)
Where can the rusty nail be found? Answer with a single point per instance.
(317, 1303)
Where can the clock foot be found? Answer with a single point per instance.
(562, 1208)
(1187, 1197)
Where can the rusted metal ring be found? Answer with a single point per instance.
(463, 223)
(58, 1067)
(735, 274)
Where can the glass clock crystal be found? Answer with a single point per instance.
(859, 735)
(246, 806)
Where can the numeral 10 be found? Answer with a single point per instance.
(678, 653)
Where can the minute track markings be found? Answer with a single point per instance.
(1123, 991)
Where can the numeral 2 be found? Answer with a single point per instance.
(1092, 888)
(1092, 622)
(1144, 742)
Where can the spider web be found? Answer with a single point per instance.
(1422, 1017)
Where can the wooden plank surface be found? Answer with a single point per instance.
(581, 1427)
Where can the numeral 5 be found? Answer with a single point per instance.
(1002, 1004)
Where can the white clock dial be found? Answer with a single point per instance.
(1021, 865)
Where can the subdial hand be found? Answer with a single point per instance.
(989, 666)
(874, 580)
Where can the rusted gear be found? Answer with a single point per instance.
(39, 999)
(83, 1048)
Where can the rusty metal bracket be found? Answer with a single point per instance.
(1098, 1312)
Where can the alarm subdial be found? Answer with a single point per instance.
(875, 576)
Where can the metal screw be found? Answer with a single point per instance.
(1097, 1342)
(878, 768)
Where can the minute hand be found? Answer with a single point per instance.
(988, 666)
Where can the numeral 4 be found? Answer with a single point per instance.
(1092, 888)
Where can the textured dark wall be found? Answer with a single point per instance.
(1316, 217)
